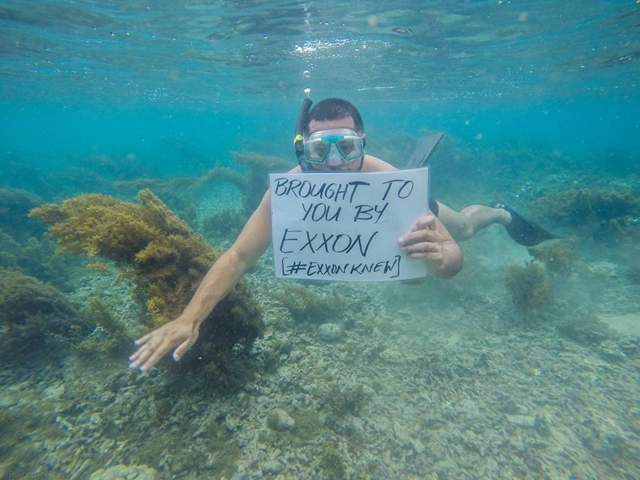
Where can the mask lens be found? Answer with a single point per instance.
(317, 150)
(346, 141)
(350, 148)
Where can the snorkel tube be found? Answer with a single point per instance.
(298, 139)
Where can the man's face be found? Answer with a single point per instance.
(342, 166)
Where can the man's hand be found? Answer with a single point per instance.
(155, 345)
(425, 242)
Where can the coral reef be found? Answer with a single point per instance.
(161, 253)
(527, 285)
(35, 317)
(559, 256)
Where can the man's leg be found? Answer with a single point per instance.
(464, 224)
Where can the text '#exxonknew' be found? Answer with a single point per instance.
(390, 268)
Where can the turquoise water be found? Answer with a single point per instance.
(524, 365)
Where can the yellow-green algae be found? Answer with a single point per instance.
(559, 256)
(587, 205)
(527, 285)
(163, 256)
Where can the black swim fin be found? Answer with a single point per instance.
(424, 148)
(523, 231)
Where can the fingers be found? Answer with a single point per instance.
(141, 356)
(146, 344)
(158, 343)
(137, 354)
(148, 355)
(424, 242)
(428, 222)
(155, 358)
(423, 247)
(420, 236)
(429, 256)
(151, 343)
(182, 349)
(143, 340)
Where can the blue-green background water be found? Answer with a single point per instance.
(540, 105)
(227, 75)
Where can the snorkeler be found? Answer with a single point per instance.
(330, 137)
(334, 140)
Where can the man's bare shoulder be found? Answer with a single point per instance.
(374, 164)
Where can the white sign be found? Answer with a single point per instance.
(346, 226)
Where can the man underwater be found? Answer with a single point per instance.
(334, 140)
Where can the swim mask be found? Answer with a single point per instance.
(324, 144)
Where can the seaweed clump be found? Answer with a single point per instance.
(559, 256)
(606, 212)
(348, 400)
(10, 251)
(34, 316)
(253, 185)
(527, 286)
(226, 224)
(586, 330)
(109, 336)
(305, 305)
(14, 207)
(161, 253)
(331, 463)
(587, 205)
(257, 180)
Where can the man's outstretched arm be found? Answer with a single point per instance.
(180, 334)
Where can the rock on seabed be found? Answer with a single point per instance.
(330, 332)
(120, 472)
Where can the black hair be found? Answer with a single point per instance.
(333, 109)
